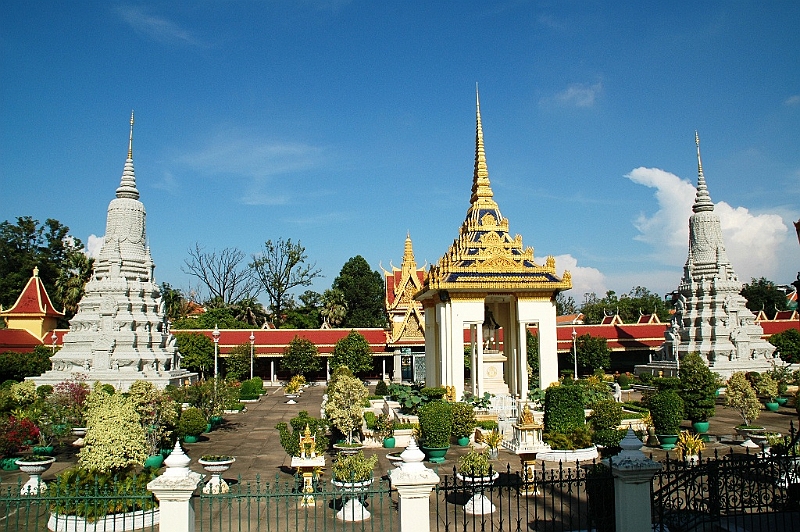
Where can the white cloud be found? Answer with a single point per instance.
(792, 100)
(753, 241)
(576, 95)
(584, 278)
(93, 245)
(251, 157)
(156, 28)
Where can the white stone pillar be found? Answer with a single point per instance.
(414, 483)
(272, 372)
(633, 473)
(174, 489)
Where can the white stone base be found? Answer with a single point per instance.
(589, 453)
(120, 380)
(111, 522)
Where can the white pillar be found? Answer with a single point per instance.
(174, 489)
(383, 372)
(633, 473)
(272, 371)
(414, 483)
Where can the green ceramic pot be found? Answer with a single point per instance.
(43, 450)
(782, 400)
(463, 441)
(388, 443)
(154, 461)
(772, 407)
(190, 439)
(668, 441)
(435, 454)
(700, 427)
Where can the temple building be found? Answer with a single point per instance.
(711, 315)
(31, 319)
(119, 334)
(406, 330)
(489, 285)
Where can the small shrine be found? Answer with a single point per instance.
(308, 464)
(527, 434)
(488, 287)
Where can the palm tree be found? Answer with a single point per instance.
(334, 307)
(71, 281)
(250, 311)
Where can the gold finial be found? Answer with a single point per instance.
(130, 139)
(480, 180)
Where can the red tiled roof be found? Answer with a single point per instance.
(17, 340)
(34, 301)
(623, 337)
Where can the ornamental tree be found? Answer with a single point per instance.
(352, 351)
(698, 387)
(300, 357)
(344, 406)
(787, 345)
(115, 439)
(593, 353)
(742, 397)
(197, 350)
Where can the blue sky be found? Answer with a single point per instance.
(347, 124)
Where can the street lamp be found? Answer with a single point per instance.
(215, 334)
(252, 342)
(574, 354)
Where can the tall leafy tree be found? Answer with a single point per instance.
(629, 306)
(237, 362)
(363, 292)
(224, 274)
(197, 350)
(762, 294)
(787, 345)
(74, 274)
(176, 306)
(27, 245)
(593, 353)
(300, 357)
(352, 351)
(565, 305)
(280, 267)
(221, 317)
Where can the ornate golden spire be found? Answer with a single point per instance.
(481, 187)
(702, 201)
(127, 185)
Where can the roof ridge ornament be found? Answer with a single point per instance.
(702, 200)
(481, 187)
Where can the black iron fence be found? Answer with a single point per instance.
(759, 491)
(535, 499)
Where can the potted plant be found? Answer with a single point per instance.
(689, 446)
(741, 396)
(191, 424)
(34, 465)
(463, 422)
(290, 440)
(216, 464)
(666, 409)
(474, 469)
(493, 440)
(384, 429)
(436, 425)
(698, 388)
(15, 435)
(352, 474)
(768, 387)
(158, 414)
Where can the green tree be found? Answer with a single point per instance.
(237, 363)
(175, 304)
(280, 267)
(629, 306)
(221, 317)
(307, 314)
(197, 350)
(565, 305)
(250, 311)
(762, 294)
(698, 387)
(741, 396)
(363, 292)
(75, 273)
(27, 245)
(352, 351)
(787, 345)
(343, 408)
(532, 350)
(593, 353)
(334, 307)
(300, 357)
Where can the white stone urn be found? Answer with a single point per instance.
(478, 504)
(35, 468)
(353, 509)
(216, 467)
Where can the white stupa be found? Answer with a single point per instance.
(711, 315)
(119, 334)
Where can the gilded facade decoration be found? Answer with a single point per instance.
(406, 320)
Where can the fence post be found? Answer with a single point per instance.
(633, 475)
(174, 489)
(414, 483)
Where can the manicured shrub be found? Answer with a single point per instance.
(666, 409)
(624, 381)
(563, 409)
(698, 386)
(290, 440)
(191, 423)
(381, 388)
(433, 394)
(115, 439)
(741, 396)
(436, 424)
(251, 389)
(353, 467)
(606, 415)
(463, 420)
